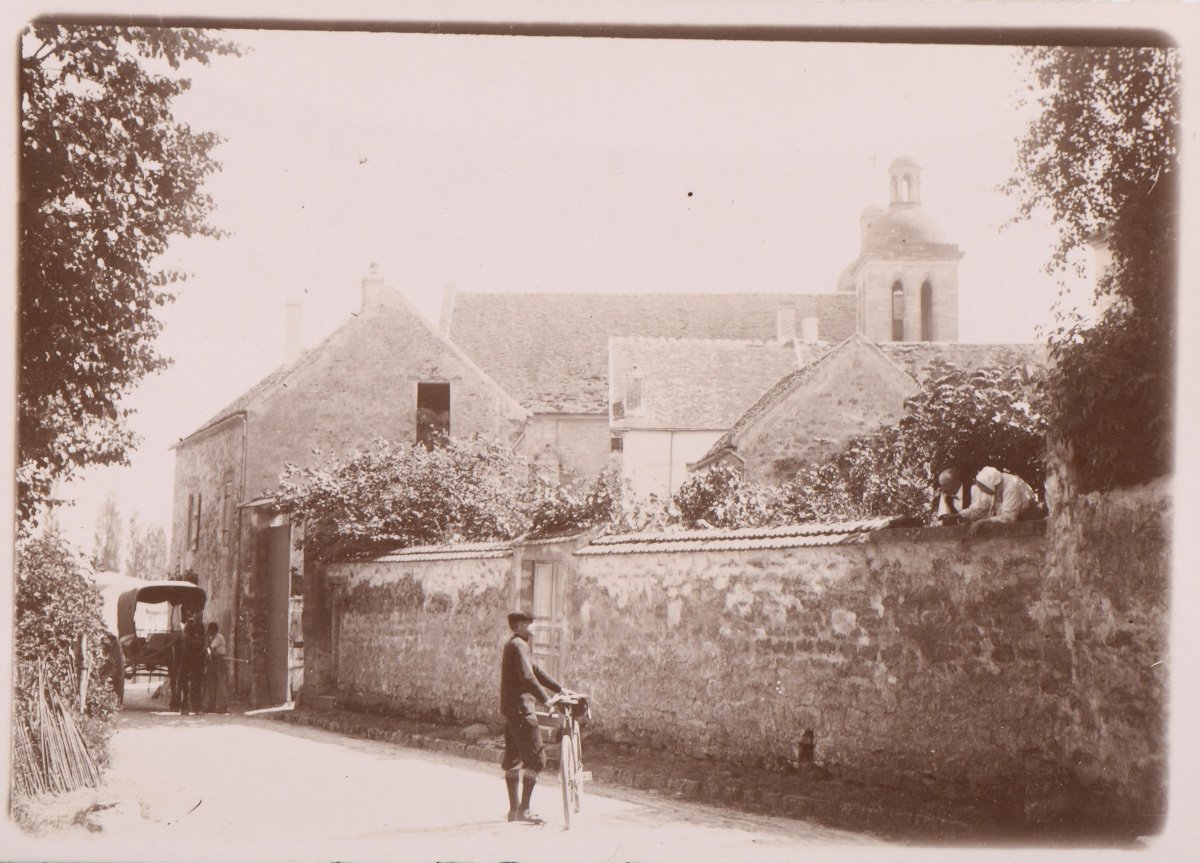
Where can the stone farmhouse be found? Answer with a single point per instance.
(648, 383)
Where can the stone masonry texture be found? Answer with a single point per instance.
(919, 658)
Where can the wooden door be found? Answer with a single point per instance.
(277, 578)
(547, 608)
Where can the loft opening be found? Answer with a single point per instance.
(433, 413)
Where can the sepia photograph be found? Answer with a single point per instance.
(741, 431)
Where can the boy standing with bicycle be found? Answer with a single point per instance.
(522, 686)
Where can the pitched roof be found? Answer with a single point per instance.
(392, 305)
(717, 539)
(922, 361)
(928, 360)
(448, 551)
(692, 383)
(780, 391)
(550, 351)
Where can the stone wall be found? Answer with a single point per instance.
(921, 656)
(577, 444)
(211, 466)
(421, 639)
(1106, 596)
(910, 658)
(362, 385)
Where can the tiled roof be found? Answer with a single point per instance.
(789, 536)
(923, 361)
(693, 383)
(550, 351)
(383, 318)
(777, 393)
(928, 360)
(454, 551)
(268, 384)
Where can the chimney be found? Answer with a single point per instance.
(785, 324)
(292, 345)
(372, 288)
(808, 331)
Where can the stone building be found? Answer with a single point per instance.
(648, 383)
(552, 353)
(839, 392)
(905, 278)
(384, 373)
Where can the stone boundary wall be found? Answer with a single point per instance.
(910, 658)
(422, 639)
(1024, 665)
(1107, 601)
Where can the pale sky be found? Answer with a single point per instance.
(505, 164)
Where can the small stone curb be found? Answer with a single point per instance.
(833, 813)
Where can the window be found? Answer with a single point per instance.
(433, 413)
(897, 312)
(633, 393)
(616, 444)
(926, 311)
(226, 512)
(193, 532)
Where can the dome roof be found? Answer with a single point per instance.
(871, 213)
(904, 162)
(902, 226)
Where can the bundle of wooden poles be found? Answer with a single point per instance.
(49, 753)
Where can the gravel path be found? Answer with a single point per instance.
(240, 788)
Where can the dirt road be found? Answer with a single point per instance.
(240, 788)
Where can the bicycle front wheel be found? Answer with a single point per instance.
(576, 772)
(566, 772)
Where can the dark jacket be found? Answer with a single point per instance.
(522, 683)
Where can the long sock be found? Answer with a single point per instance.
(527, 790)
(512, 781)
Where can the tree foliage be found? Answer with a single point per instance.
(147, 556)
(399, 494)
(58, 622)
(395, 494)
(106, 544)
(1103, 157)
(722, 497)
(107, 176)
(963, 419)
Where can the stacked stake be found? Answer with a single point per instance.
(50, 753)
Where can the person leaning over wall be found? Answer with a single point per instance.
(998, 497)
(951, 498)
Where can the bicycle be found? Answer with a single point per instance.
(573, 709)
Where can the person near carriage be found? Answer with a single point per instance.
(216, 677)
(193, 663)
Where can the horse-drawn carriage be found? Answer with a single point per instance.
(152, 649)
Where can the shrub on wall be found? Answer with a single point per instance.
(724, 498)
(965, 419)
(396, 494)
(472, 490)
